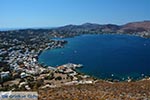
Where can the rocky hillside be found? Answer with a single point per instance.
(136, 27)
(99, 91)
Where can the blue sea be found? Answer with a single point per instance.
(107, 56)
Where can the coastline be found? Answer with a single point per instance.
(46, 73)
(109, 79)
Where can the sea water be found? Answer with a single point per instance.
(104, 56)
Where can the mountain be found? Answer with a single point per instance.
(133, 27)
(88, 28)
(138, 28)
(129, 27)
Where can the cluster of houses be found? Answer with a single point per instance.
(21, 58)
(20, 62)
(70, 69)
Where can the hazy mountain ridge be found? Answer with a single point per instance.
(141, 28)
(129, 27)
(88, 27)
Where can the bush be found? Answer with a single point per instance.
(58, 78)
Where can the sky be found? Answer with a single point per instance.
(53, 13)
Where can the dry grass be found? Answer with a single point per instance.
(101, 90)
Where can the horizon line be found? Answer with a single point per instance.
(49, 27)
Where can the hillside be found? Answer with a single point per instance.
(99, 91)
(138, 28)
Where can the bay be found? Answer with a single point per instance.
(104, 56)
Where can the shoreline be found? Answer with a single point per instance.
(108, 79)
(43, 74)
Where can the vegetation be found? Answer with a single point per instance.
(99, 91)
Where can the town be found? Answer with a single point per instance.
(19, 66)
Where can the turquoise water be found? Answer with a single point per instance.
(104, 56)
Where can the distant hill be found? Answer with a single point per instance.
(133, 27)
(139, 28)
(136, 27)
(88, 28)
